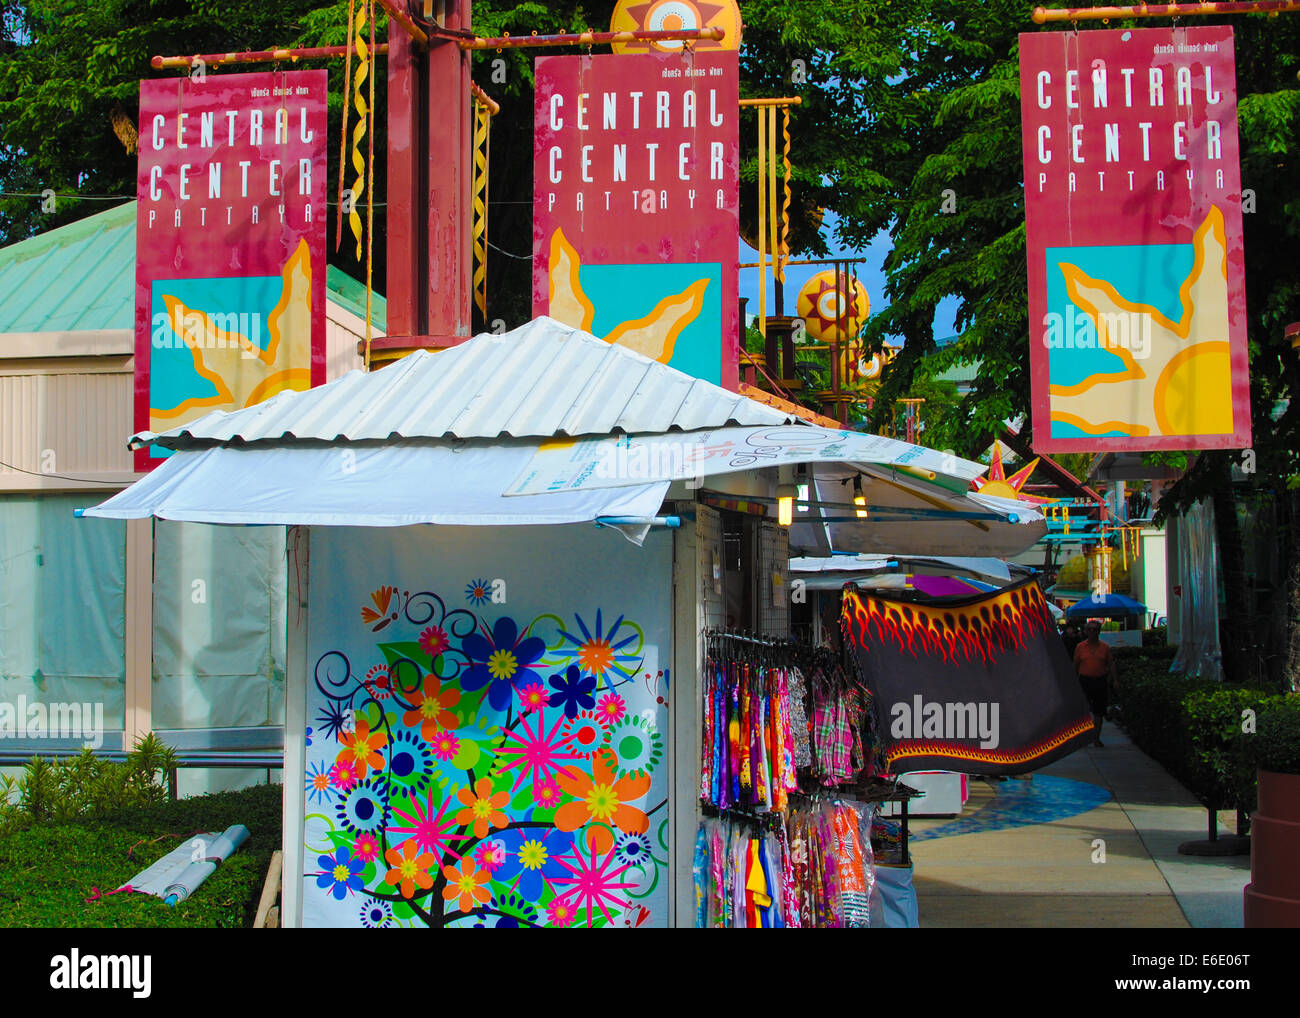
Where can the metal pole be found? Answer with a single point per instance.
(1044, 15)
(593, 38)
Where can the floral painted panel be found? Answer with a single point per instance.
(486, 744)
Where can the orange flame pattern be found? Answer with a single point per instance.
(911, 749)
(951, 633)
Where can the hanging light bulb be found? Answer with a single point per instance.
(785, 495)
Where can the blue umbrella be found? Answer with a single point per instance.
(1109, 606)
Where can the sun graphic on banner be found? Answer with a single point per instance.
(826, 312)
(654, 336)
(998, 484)
(1179, 380)
(241, 372)
(675, 16)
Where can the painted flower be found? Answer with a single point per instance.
(409, 868)
(343, 776)
(490, 855)
(502, 660)
(611, 708)
(604, 653)
(376, 915)
(430, 829)
(366, 848)
(533, 697)
(364, 807)
(410, 762)
(379, 682)
(466, 883)
(637, 744)
(602, 801)
(572, 691)
(340, 873)
(514, 911)
(482, 808)
(634, 849)
(593, 883)
(431, 708)
(361, 748)
(535, 751)
(334, 718)
(532, 858)
(583, 734)
(434, 640)
(561, 912)
(478, 591)
(546, 795)
(445, 745)
(319, 787)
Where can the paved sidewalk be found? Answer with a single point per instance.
(1090, 841)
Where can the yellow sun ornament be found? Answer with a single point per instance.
(999, 485)
(831, 312)
(675, 15)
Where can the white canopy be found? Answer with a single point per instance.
(363, 485)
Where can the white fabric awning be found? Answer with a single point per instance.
(391, 485)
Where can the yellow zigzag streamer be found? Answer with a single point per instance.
(785, 205)
(359, 132)
(482, 128)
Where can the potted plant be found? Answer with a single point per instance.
(1272, 898)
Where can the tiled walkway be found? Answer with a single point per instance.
(1090, 841)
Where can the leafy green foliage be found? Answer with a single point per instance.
(1277, 745)
(86, 786)
(47, 871)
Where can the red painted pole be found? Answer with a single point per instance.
(595, 38)
(1044, 15)
(257, 56)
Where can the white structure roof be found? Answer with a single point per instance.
(542, 380)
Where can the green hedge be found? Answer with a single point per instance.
(47, 870)
(1210, 737)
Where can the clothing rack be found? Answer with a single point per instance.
(812, 661)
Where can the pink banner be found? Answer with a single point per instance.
(636, 161)
(1137, 303)
(230, 244)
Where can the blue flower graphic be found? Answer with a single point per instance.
(531, 858)
(501, 660)
(342, 873)
(573, 691)
(478, 591)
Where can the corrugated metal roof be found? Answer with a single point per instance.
(542, 380)
(81, 278)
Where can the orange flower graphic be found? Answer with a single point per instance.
(602, 800)
(431, 708)
(466, 883)
(482, 809)
(361, 749)
(409, 868)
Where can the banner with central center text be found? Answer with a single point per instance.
(980, 685)
(230, 244)
(636, 198)
(1133, 204)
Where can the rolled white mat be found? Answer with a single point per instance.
(227, 844)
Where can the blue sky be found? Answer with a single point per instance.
(871, 272)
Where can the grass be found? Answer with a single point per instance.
(47, 871)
